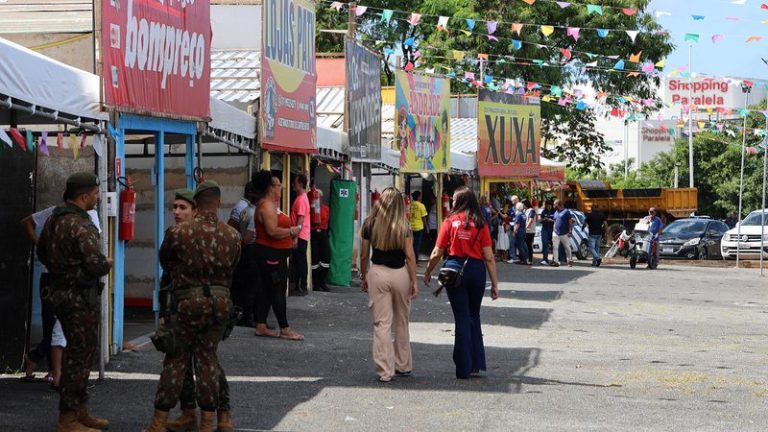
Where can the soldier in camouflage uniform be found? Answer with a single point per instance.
(183, 210)
(200, 255)
(70, 247)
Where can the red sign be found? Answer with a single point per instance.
(156, 57)
(288, 76)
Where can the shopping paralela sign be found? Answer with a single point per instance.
(509, 133)
(156, 57)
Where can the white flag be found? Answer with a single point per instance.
(5, 138)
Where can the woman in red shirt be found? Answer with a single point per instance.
(273, 245)
(466, 238)
(390, 282)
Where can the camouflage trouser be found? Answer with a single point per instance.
(200, 327)
(187, 399)
(81, 328)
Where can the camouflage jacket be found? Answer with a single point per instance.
(203, 251)
(70, 247)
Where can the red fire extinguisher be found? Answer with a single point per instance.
(314, 198)
(127, 211)
(375, 197)
(446, 201)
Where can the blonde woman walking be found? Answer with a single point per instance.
(390, 281)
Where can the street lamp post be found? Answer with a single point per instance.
(747, 90)
(677, 172)
(690, 115)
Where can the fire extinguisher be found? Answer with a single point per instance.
(446, 201)
(314, 197)
(357, 205)
(127, 211)
(375, 197)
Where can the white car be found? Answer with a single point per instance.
(579, 240)
(749, 244)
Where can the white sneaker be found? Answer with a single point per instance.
(511, 261)
(545, 262)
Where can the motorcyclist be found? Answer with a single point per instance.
(655, 227)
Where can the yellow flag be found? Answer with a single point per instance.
(458, 55)
(73, 143)
(547, 30)
(660, 63)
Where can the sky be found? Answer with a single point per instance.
(732, 56)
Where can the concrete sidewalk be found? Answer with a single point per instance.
(579, 348)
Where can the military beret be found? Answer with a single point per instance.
(82, 179)
(204, 186)
(186, 195)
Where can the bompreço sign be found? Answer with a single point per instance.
(156, 57)
(288, 76)
(363, 69)
(509, 134)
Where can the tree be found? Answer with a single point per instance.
(572, 137)
(432, 48)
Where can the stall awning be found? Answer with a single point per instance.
(47, 84)
(231, 126)
(332, 143)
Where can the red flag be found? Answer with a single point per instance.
(60, 140)
(82, 140)
(20, 140)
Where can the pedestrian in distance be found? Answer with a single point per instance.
(321, 248)
(70, 248)
(200, 255)
(597, 223)
(518, 224)
(273, 246)
(563, 230)
(184, 209)
(530, 228)
(547, 228)
(243, 287)
(300, 218)
(390, 281)
(466, 239)
(418, 217)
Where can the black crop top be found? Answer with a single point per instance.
(393, 259)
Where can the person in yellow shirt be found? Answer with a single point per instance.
(418, 221)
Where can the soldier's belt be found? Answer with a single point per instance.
(201, 291)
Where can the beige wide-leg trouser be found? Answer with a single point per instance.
(388, 294)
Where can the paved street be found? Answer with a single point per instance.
(680, 348)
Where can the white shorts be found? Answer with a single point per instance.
(57, 338)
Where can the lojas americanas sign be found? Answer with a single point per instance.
(509, 133)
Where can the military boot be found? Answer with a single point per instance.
(185, 422)
(207, 419)
(92, 422)
(224, 421)
(158, 422)
(68, 423)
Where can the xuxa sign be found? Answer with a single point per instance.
(288, 76)
(509, 134)
(156, 57)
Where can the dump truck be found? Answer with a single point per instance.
(624, 207)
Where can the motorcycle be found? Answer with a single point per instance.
(643, 247)
(622, 245)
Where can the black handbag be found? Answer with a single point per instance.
(449, 278)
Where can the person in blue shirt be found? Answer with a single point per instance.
(547, 228)
(519, 234)
(656, 225)
(563, 232)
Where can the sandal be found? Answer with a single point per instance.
(291, 335)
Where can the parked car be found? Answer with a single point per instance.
(692, 238)
(748, 241)
(579, 240)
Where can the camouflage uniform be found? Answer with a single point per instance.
(197, 253)
(70, 247)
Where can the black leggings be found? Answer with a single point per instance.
(529, 242)
(299, 264)
(43, 349)
(273, 269)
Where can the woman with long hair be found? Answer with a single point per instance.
(273, 245)
(390, 281)
(467, 240)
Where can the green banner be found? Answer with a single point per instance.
(342, 231)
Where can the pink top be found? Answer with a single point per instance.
(301, 208)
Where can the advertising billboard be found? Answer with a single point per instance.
(156, 57)
(288, 120)
(422, 122)
(363, 71)
(509, 134)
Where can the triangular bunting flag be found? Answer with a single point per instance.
(602, 33)
(60, 140)
(754, 39)
(573, 32)
(73, 143)
(414, 19)
(5, 138)
(691, 37)
(442, 23)
(547, 30)
(386, 15)
(632, 34)
(30, 140)
(16, 135)
(594, 9)
(619, 65)
(563, 4)
(491, 27)
(660, 64)
(635, 58)
(360, 10)
(458, 55)
(629, 11)
(44, 144)
(566, 53)
(516, 44)
(470, 24)
(698, 17)
(717, 38)
(530, 2)
(336, 5)
(517, 28)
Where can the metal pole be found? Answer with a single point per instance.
(626, 149)
(746, 90)
(762, 219)
(677, 172)
(104, 223)
(690, 116)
